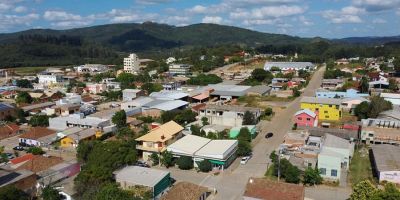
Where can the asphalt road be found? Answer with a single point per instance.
(231, 183)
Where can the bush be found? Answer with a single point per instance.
(36, 151)
(205, 166)
(155, 159)
(185, 163)
(312, 177)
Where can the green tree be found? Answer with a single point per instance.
(363, 190)
(249, 118)
(205, 166)
(292, 174)
(49, 193)
(396, 64)
(393, 85)
(261, 75)
(112, 191)
(244, 134)
(23, 83)
(268, 111)
(362, 110)
(378, 105)
(204, 121)
(119, 119)
(126, 80)
(204, 79)
(167, 159)
(296, 92)
(364, 86)
(152, 87)
(196, 130)
(125, 132)
(167, 116)
(39, 120)
(312, 177)
(185, 162)
(35, 151)
(23, 97)
(186, 116)
(10, 192)
(155, 159)
(390, 192)
(244, 148)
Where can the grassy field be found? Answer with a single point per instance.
(270, 172)
(28, 70)
(360, 166)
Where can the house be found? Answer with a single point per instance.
(8, 130)
(350, 93)
(342, 61)
(289, 66)
(131, 63)
(170, 60)
(386, 162)
(265, 189)
(31, 137)
(36, 108)
(130, 94)
(63, 109)
(72, 140)
(179, 69)
(234, 132)
(22, 179)
(326, 108)
(306, 117)
(380, 131)
(157, 140)
(349, 104)
(214, 128)
(199, 94)
(351, 135)
(171, 85)
(7, 111)
(228, 92)
(227, 115)
(331, 84)
(149, 106)
(169, 95)
(78, 119)
(39, 163)
(334, 158)
(259, 90)
(91, 68)
(295, 139)
(392, 97)
(155, 180)
(221, 153)
(95, 88)
(187, 191)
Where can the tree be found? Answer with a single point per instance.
(35, 151)
(167, 159)
(196, 130)
(396, 64)
(204, 79)
(204, 121)
(292, 174)
(126, 80)
(244, 134)
(49, 193)
(363, 190)
(296, 92)
(393, 85)
(125, 132)
(390, 192)
(23, 97)
(244, 148)
(10, 192)
(268, 111)
(112, 191)
(248, 118)
(312, 177)
(23, 83)
(155, 159)
(205, 166)
(364, 86)
(186, 116)
(152, 87)
(261, 75)
(119, 119)
(378, 105)
(39, 120)
(362, 110)
(185, 162)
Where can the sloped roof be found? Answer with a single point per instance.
(260, 188)
(141, 175)
(185, 191)
(316, 100)
(22, 159)
(40, 163)
(188, 144)
(162, 133)
(37, 132)
(306, 111)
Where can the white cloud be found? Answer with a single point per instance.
(348, 14)
(212, 19)
(305, 21)
(20, 9)
(176, 20)
(60, 16)
(5, 6)
(197, 9)
(152, 2)
(379, 21)
(122, 16)
(377, 5)
(8, 21)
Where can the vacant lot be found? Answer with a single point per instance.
(360, 166)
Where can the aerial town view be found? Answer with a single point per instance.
(199, 100)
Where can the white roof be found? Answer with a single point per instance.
(217, 149)
(140, 175)
(336, 142)
(169, 95)
(390, 95)
(131, 90)
(306, 111)
(188, 145)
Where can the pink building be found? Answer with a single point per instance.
(95, 88)
(306, 117)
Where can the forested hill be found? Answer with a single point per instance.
(106, 43)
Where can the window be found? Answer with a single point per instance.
(337, 107)
(330, 106)
(327, 116)
(322, 171)
(308, 119)
(334, 172)
(325, 112)
(299, 118)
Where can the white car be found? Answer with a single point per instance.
(245, 159)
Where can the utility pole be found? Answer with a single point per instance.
(279, 164)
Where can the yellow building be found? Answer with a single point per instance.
(72, 140)
(328, 109)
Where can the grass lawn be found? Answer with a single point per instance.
(270, 171)
(29, 70)
(360, 166)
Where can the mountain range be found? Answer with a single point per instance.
(105, 43)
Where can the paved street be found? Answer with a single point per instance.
(231, 183)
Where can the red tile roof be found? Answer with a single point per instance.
(40, 163)
(22, 159)
(8, 130)
(37, 132)
(272, 190)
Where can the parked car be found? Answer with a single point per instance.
(10, 156)
(142, 164)
(18, 148)
(245, 159)
(268, 135)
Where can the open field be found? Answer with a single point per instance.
(31, 70)
(360, 166)
(252, 65)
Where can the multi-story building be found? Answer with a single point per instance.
(228, 115)
(326, 108)
(179, 69)
(131, 94)
(6, 111)
(78, 120)
(350, 93)
(380, 131)
(95, 88)
(131, 63)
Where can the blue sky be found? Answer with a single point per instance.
(306, 18)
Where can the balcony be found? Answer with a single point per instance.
(151, 149)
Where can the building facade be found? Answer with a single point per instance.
(179, 69)
(228, 115)
(131, 63)
(326, 108)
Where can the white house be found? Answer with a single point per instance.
(48, 79)
(130, 94)
(131, 63)
(78, 120)
(170, 60)
(227, 115)
(392, 97)
(95, 88)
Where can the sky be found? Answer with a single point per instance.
(304, 18)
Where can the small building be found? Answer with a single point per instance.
(131, 64)
(153, 107)
(306, 117)
(349, 104)
(234, 132)
(6, 111)
(265, 189)
(72, 140)
(289, 66)
(8, 130)
(326, 108)
(157, 140)
(35, 108)
(130, 94)
(334, 158)
(214, 128)
(350, 93)
(259, 90)
(179, 69)
(169, 95)
(78, 119)
(392, 97)
(63, 109)
(22, 179)
(228, 115)
(228, 92)
(187, 191)
(331, 84)
(32, 136)
(95, 88)
(380, 131)
(157, 181)
(386, 162)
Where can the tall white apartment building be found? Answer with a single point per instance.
(131, 63)
(49, 78)
(179, 69)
